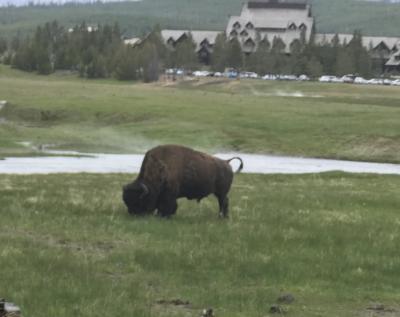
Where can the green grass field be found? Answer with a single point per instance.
(70, 248)
(330, 121)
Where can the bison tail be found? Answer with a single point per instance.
(241, 163)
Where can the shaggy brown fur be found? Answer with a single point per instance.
(169, 172)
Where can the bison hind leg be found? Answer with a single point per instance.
(223, 202)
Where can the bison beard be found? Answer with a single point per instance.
(169, 172)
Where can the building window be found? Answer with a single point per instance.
(250, 26)
(237, 25)
(303, 27)
(244, 33)
(205, 43)
(249, 43)
(233, 33)
(293, 26)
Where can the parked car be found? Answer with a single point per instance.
(269, 77)
(248, 75)
(218, 74)
(303, 78)
(201, 73)
(375, 81)
(231, 74)
(287, 77)
(328, 79)
(396, 82)
(360, 80)
(387, 82)
(348, 79)
(337, 79)
(180, 71)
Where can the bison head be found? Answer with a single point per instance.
(137, 198)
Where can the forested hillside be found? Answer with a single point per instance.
(136, 18)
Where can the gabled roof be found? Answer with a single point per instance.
(273, 19)
(198, 36)
(292, 4)
(394, 60)
(374, 41)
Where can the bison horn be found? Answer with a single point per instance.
(145, 189)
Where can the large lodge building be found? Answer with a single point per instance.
(289, 20)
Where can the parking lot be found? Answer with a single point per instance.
(348, 79)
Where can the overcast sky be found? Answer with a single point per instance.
(24, 2)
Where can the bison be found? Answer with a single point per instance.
(169, 172)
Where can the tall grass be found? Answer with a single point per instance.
(70, 248)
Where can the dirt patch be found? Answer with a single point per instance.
(380, 310)
(172, 307)
(174, 302)
(98, 248)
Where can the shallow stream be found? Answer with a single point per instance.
(130, 163)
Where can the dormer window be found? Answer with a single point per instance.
(237, 25)
(293, 26)
(233, 33)
(249, 42)
(244, 33)
(303, 27)
(205, 43)
(250, 26)
(171, 41)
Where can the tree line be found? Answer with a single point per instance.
(100, 52)
(308, 58)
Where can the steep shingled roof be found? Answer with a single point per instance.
(198, 36)
(274, 18)
(374, 41)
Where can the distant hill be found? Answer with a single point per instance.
(136, 18)
(40, 2)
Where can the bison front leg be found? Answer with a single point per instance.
(223, 202)
(167, 208)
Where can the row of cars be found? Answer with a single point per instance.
(252, 75)
(351, 79)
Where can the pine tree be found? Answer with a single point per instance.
(43, 64)
(125, 66)
(314, 68)
(185, 53)
(260, 60)
(278, 59)
(3, 45)
(150, 62)
(219, 54)
(234, 54)
(345, 63)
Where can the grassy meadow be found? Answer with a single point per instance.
(300, 119)
(331, 240)
(69, 248)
